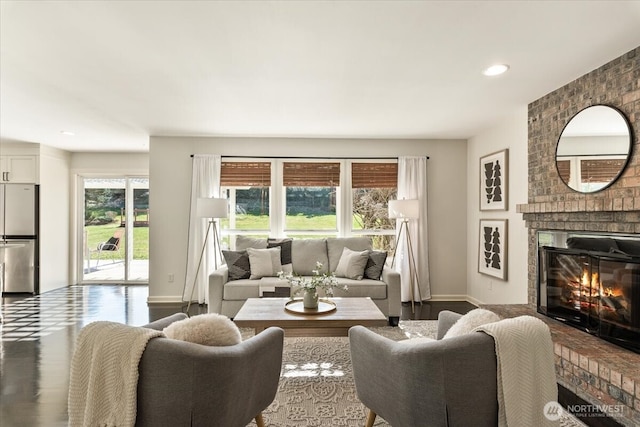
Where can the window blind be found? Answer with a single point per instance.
(374, 175)
(308, 174)
(245, 174)
(605, 170)
(564, 169)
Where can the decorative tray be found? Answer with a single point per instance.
(297, 306)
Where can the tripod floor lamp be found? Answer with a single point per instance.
(212, 208)
(406, 210)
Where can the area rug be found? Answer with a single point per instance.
(316, 385)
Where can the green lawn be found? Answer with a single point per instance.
(97, 234)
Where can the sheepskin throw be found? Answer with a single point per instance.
(526, 370)
(206, 329)
(104, 374)
(470, 321)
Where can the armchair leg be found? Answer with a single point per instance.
(371, 417)
(259, 420)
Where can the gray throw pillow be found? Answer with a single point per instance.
(375, 265)
(285, 252)
(238, 264)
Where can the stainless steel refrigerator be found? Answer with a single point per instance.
(19, 219)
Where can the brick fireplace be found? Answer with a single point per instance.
(596, 371)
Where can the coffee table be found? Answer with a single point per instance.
(260, 313)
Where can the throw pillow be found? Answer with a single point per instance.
(206, 329)
(375, 265)
(238, 264)
(470, 321)
(285, 252)
(264, 262)
(352, 264)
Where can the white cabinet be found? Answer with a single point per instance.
(19, 169)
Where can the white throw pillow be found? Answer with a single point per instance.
(206, 329)
(352, 264)
(264, 262)
(470, 321)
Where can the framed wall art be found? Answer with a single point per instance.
(492, 250)
(494, 174)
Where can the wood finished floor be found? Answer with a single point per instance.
(38, 335)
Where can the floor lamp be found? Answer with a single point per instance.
(212, 208)
(405, 210)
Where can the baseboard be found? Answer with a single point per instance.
(465, 298)
(166, 300)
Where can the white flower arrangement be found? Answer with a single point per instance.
(325, 281)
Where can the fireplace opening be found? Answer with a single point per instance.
(592, 289)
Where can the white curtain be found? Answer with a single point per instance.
(205, 182)
(412, 184)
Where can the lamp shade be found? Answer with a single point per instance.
(212, 207)
(405, 208)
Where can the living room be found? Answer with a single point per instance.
(453, 166)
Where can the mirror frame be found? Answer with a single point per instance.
(628, 155)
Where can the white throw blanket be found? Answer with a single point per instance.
(104, 374)
(526, 370)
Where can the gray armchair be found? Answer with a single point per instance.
(185, 384)
(448, 382)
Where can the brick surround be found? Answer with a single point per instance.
(596, 375)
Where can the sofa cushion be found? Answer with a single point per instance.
(240, 290)
(238, 264)
(335, 245)
(264, 262)
(375, 264)
(244, 242)
(285, 252)
(352, 264)
(305, 253)
(206, 329)
(375, 289)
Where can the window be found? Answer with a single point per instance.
(310, 196)
(302, 198)
(247, 187)
(372, 186)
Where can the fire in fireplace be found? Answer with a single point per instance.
(598, 292)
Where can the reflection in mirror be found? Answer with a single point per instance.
(593, 148)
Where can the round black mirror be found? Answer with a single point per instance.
(593, 149)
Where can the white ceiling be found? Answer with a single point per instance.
(116, 72)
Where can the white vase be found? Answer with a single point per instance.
(310, 299)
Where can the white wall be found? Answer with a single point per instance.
(54, 218)
(170, 182)
(511, 133)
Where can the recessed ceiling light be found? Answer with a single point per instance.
(67, 132)
(496, 70)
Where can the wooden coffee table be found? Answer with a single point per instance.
(260, 313)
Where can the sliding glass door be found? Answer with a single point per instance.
(115, 230)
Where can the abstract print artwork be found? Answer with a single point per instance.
(492, 250)
(493, 181)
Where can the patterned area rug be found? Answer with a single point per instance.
(316, 385)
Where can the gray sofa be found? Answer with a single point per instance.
(227, 296)
(186, 384)
(450, 382)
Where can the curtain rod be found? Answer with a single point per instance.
(310, 157)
